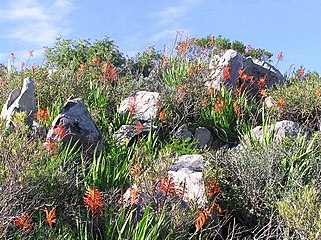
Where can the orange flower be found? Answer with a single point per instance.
(51, 217)
(219, 104)
(217, 207)
(181, 89)
(211, 92)
(239, 89)
(162, 116)
(201, 218)
(82, 67)
(164, 59)
(139, 127)
(204, 102)
(301, 72)
(24, 222)
(191, 72)
(167, 186)
(181, 48)
(60, 131)
(94, 201)
(136, 169)
(227, 72)
(132, 105)
(134, 196)
(237, 109)
(50, 144)
(96, 61)
(211, 40)
(241, 73)
(179, 100)
(263, 92)
(42, 114)
(212, 187)
(33, 69)
(317, 93)
(261, 81)
(109, 72)
(280, 103)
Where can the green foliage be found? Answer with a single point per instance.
(238, 46)
(259, 53)
(222, 43)
(302, 212)
(307, 112)
(110, 168)
(69, 54)
(258, 175)
(149, 226)
(144, 62)
(175, 73)
(181, 146)
(227, 113)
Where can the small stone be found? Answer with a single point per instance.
(183, 132)
(127, 132)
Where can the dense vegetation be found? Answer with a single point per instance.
(267, 189)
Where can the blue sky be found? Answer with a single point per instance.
(290, 26)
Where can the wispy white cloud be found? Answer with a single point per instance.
(35, 22)
(168, 20)
(170, 15)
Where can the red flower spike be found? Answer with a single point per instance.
(134, 196)
(94, 201)
(24, 222)
(139, 127)
(227, 72)
(162, 116)
(50, 145)
(212, 187)
(261, 81)
(201, 218)
(50, 217)
(167, 186)
(191, 72)
(42, 114)
(60, 131)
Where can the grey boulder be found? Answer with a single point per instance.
(78, 126)
(280, 129)
(187, 171)
(142, 104)
(23, 100)
(217, 65)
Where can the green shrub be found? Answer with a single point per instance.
(256, 176)
(302, 102)
(69, 54)
(302, 212)
(227, 112)
(144, 62)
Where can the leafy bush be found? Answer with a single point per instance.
(70, 54)
(144, 62)
(302, 212)
(227, 112)
(256, 176)
(289, 104)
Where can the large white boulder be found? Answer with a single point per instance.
(143, 105)
(23, 100)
